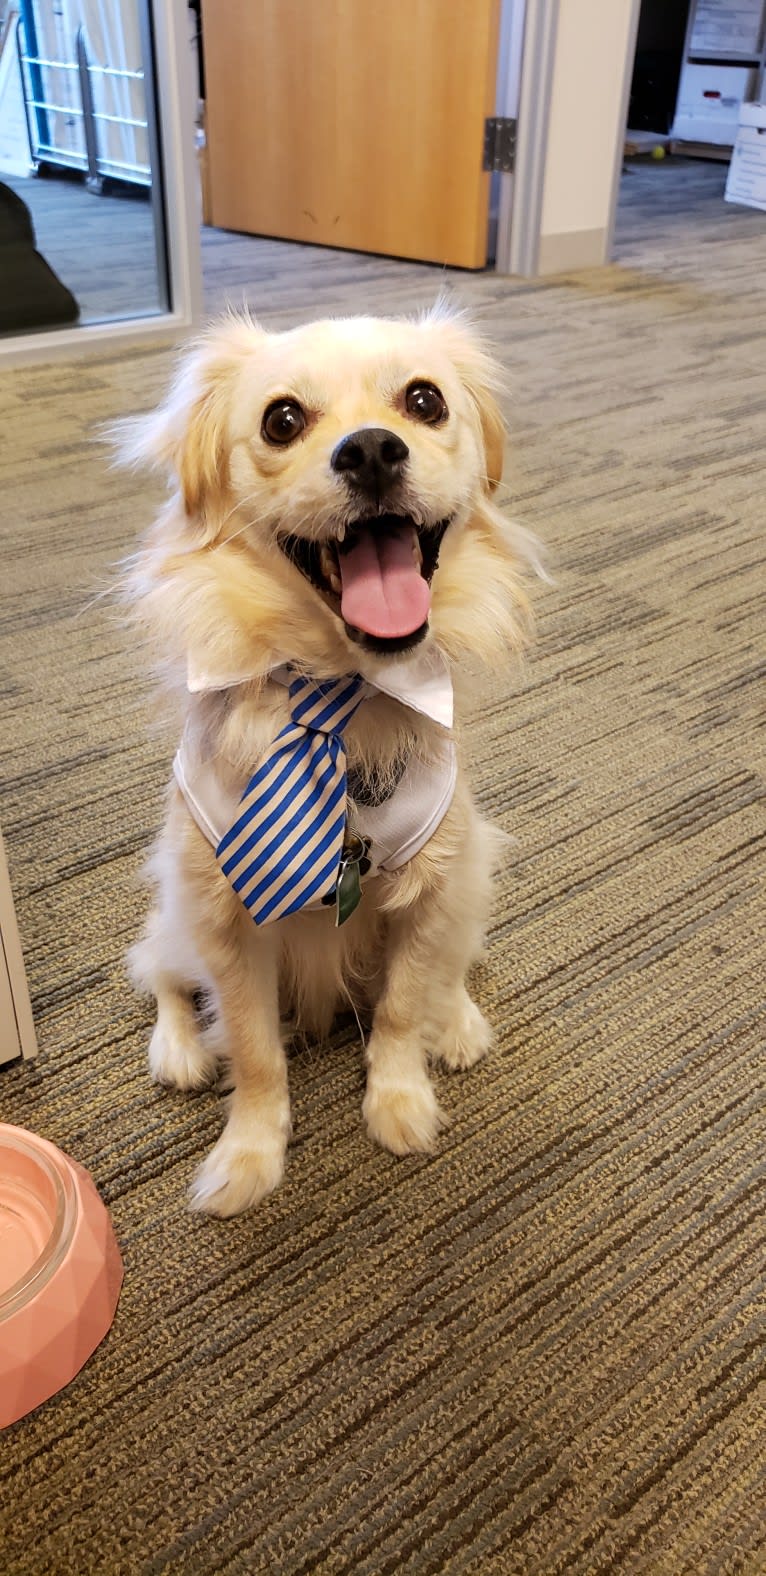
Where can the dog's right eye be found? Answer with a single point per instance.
(283, 421)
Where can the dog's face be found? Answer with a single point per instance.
(359, 446)
(344, 458)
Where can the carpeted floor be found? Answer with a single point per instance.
(541, 1350)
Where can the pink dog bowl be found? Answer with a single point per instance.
(60, 1271)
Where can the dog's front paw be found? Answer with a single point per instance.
(467, 1038)
(240, 1171)
(403, 1115)
(177, 1057)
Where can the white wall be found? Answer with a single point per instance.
(595, 43)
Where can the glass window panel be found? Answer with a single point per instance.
(81, 209)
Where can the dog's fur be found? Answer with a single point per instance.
(216, 591)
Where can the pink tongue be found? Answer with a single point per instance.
(384, 592)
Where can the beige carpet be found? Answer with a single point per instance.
(541, 1350)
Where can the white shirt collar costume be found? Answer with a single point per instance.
(421, 681)
(400, 826)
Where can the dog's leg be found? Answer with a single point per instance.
(464, 1035)
(248, 1160)
(400, 1107)
(467, 1035)
(179, 1058)
(424, 1009)
(178, 1055)
(199, 934)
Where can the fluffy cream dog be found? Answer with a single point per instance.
(331, 515)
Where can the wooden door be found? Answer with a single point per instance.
(353, 123)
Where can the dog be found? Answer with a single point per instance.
(332, 521)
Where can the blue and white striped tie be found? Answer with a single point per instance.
(286, 844)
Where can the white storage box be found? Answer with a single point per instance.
(726, 27)
(746, 181)
(709, 102)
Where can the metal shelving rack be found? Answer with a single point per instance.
(69, 111)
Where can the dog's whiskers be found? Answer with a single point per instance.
(296, 526)
(241, 503)
(358, 1023)
(99, 596)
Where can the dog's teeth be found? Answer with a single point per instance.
(417, 552)
(328, 563)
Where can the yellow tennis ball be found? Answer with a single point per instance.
(658, 153)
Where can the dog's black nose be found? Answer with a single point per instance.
(371, 459)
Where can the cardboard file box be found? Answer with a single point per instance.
(746, 181)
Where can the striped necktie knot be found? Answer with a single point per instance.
(285, 846)
(327, 706)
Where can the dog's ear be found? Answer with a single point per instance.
(484, 379)
(493, 431)
(197, 446)
(189, 435)
(480, 375)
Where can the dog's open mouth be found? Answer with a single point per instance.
(378, 578)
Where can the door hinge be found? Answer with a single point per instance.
(499, 143)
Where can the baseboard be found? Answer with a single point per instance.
(560, 254)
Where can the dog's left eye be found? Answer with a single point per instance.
(283, 420)
(426, 403)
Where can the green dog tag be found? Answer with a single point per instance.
(348, 892)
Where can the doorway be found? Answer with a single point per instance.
(696, 63)
(383, 129)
